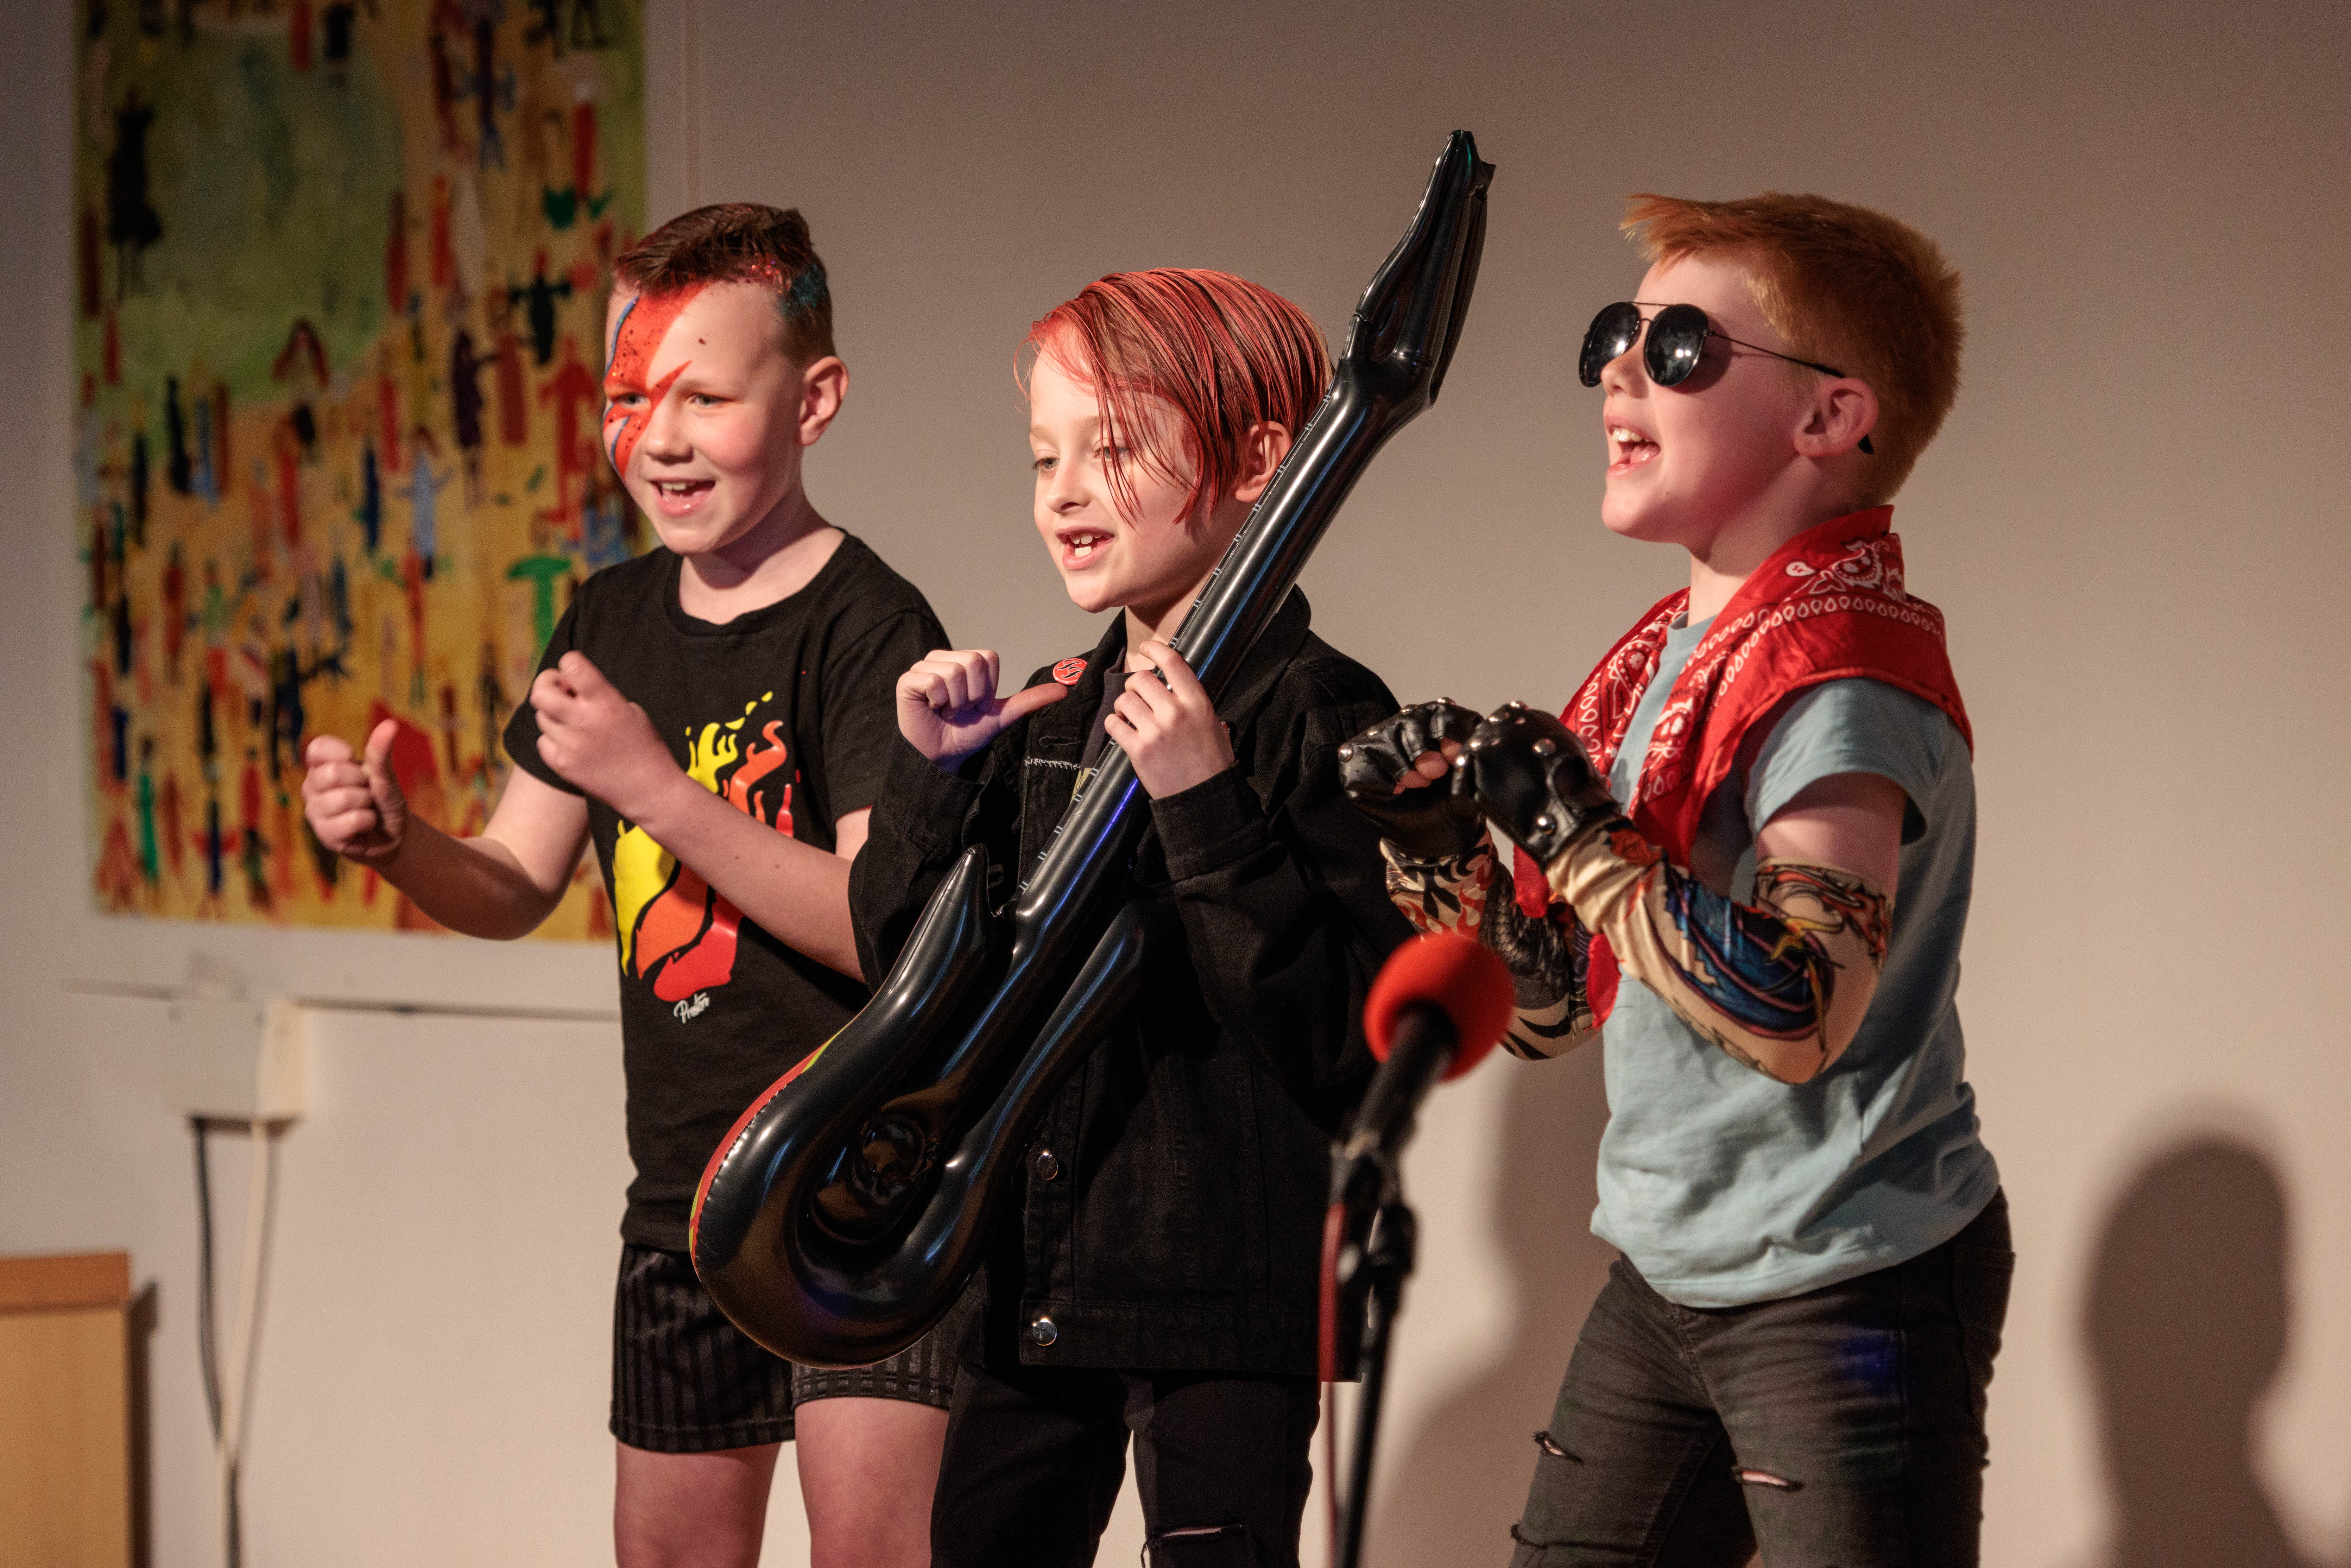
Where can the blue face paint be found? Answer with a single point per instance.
(807, 291)
(626, 311)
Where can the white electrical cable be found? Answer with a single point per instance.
(248, 1306)
(234, 1382)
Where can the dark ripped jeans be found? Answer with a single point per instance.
(1841, 1428)
(1035, 1458)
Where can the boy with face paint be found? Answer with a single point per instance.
(715, 716)
(1743, 863)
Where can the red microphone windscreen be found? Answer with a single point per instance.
(1455, 974)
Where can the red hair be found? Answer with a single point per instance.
(1843, 285)
(1224, 354)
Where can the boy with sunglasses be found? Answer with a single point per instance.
(1744, 861)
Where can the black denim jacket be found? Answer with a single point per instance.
(1173, 1212)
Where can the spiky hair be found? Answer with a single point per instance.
(741, 242)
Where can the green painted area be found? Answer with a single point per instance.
(542, 572)
(274, 187)
(382, 528)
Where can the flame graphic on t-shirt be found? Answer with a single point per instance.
(673, 930)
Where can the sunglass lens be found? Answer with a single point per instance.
(1676, 339)
(1613, 332)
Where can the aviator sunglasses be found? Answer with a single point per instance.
(1678, 336)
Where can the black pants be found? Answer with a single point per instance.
(1841, 1428)
(1035, 1456)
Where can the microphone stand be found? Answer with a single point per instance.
(1388, 1262)
(1428, 995)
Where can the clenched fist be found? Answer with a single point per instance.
(1530, 778)
(600, 742)
(1394, 772)
(354, 802)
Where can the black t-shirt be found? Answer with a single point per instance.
(787, 713)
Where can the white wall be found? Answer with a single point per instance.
(2133, 521)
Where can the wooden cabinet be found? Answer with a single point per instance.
(68, 1387)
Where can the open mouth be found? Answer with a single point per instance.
(1078, 546)
(679, 497)
(1628, 448)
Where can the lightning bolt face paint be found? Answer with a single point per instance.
(703, 420)
(645, 323)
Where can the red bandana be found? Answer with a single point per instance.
(1829, 606)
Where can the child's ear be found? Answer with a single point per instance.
(1842, 413)
(1263, 448)
(824, 385)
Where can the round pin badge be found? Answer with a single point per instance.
(1068, 671)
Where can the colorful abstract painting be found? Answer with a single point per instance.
(340, 272)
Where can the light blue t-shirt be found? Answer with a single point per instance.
(1726, 1186)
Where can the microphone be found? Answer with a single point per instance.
(1441, 1002)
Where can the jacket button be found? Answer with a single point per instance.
(1042, 1333)
(1048, 1165)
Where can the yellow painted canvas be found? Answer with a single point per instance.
(340, 272)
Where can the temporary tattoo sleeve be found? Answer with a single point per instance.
(1781, 984)
(1470, 894)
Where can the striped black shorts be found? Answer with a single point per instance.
(685, 1380)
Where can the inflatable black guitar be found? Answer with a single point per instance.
(842, 1215)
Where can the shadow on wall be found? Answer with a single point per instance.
(1461, 1478)
(2185, 1324)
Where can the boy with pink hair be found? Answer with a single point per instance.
(1158, 1275)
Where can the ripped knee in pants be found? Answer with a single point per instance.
(1748, 1476)
(1550, 1444)
(1532, 1553)
(1201, 1546)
